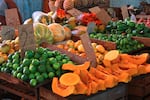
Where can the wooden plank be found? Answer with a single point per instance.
(75, 58)
(144, 40)
(74, 12)
(107, 44)
(7, 33)
(101, 14)
(26, 38)
(49, 95)
(90, 54)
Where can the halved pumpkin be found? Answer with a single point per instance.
(72, 67)
(69, 79)
(60, 89)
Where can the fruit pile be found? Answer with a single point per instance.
(36, 66)
(78, 49)
(125, 43)
(145, 21)
(8, 47)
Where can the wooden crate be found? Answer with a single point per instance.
(117, 93)
(139, 87)
(19, 87)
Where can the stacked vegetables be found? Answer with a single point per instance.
(84, 80)
(125, 43)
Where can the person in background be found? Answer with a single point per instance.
(6, 4)
(132, 13)
(25, 8)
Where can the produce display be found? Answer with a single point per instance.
(69, 78)
(125, 43)
(8, 47)
(36, 66)
(145, 21)
(127, 27)
(78, 49)
(116, 67)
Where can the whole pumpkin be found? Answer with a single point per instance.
(57, 31)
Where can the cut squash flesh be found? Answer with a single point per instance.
(64, 92)
(69, 79)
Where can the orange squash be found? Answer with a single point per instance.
(60, 89)
(69, 79)
(111, 55)
(73, 67)
(136, 59)
(80, 88)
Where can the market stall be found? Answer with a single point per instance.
(77, 51)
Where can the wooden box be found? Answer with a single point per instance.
(117, 93)
(139, 87)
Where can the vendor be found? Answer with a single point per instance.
(25, 8)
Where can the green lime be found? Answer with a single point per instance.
(70, 62)
(32, 68)
(56, 66)
(10, 57)
(15, 73)
(26, 62)
(15, 61)
(59, 57)
(52, 60)
(26, 70)
(50, 54)
(58, 73)
(45, 75)
(64, 61)
(40, 78)
(7, 70)
(51, 74)
(44, 55)
(37, 55)
(29, 54)
(49, 69)
(19, 75)
(9, 64)
(15, 66)
(24, 77)
(41, 68)
(20, 69)
(2, 69)
(33, 82)
(15, 56)
(31, 76)
(40, 50)
(35, 62)
(37, 74)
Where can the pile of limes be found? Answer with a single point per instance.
(36, 66)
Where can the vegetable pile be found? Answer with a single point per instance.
(36, 66)
(125, 43)
(127, 27)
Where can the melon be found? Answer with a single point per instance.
(57, 31)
